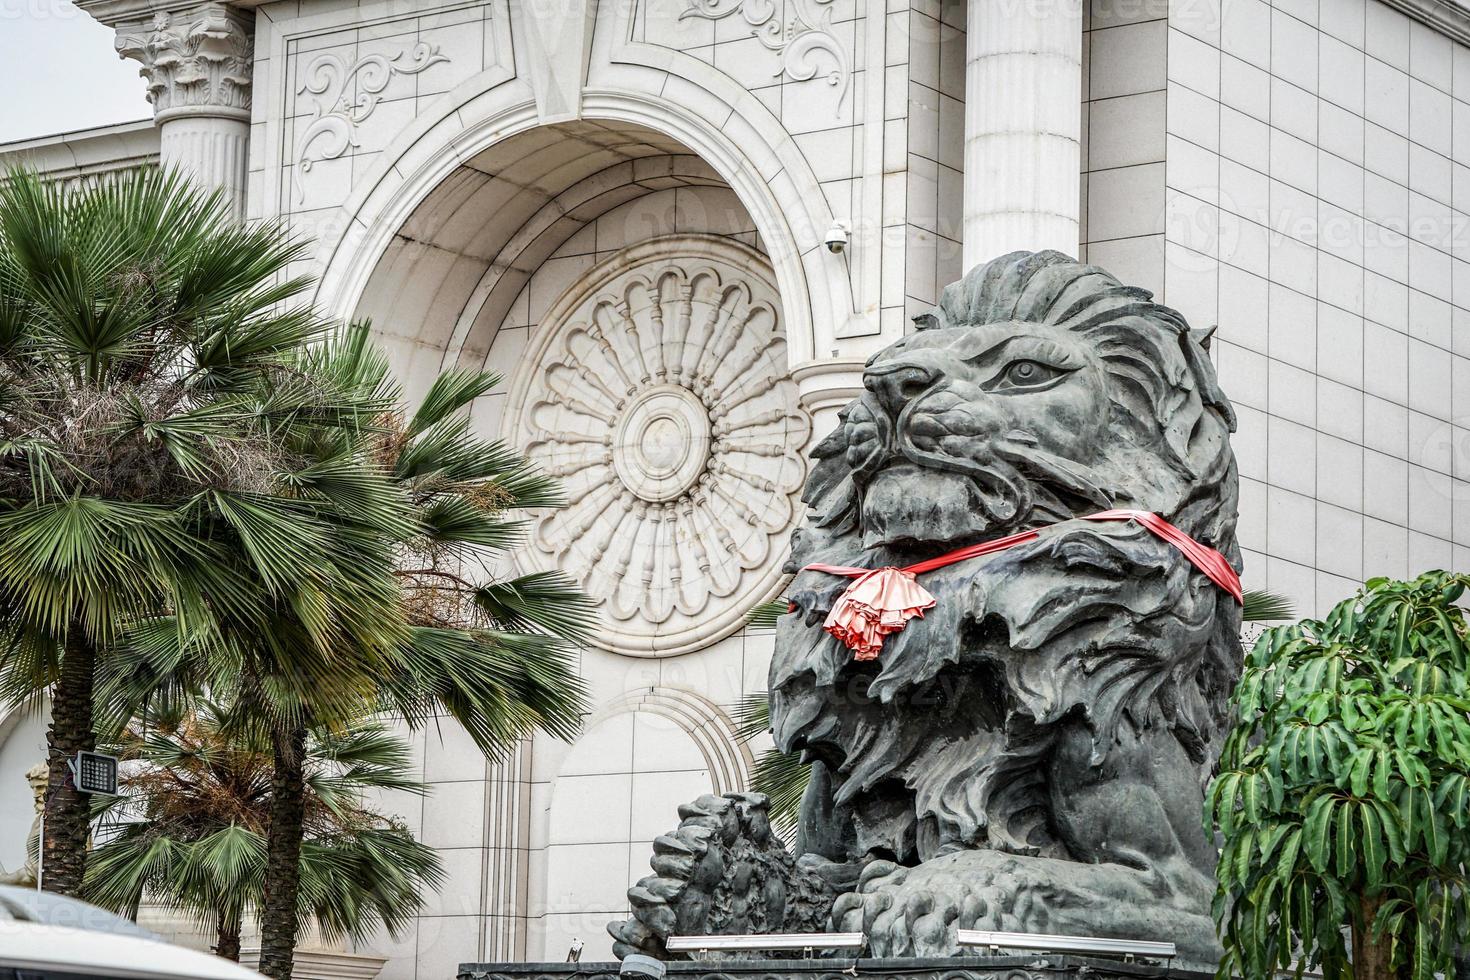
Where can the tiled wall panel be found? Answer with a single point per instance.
(1307, 191)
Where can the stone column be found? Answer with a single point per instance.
(1023, 126)
(198, 60)
(824, 388)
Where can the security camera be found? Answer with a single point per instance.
(836, 238)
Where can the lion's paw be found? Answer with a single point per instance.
(721, 871)
(916, 911)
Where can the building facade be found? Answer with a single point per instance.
(629, 209)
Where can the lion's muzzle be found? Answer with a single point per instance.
(900, 381)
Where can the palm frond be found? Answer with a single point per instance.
(783, 777)
(450, 392)
(546, 602)
(191, 831)
(461, 520)
(499, 685)
(1261, 606)
(767, 614)
(752, 716)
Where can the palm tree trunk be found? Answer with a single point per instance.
(283, 854)
(66, 817)
(227, 937)
(1370, 958)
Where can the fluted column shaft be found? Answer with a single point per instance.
(1023, 127)
(214, 150)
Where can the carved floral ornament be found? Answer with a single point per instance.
(348, 93)
(800, 31)
(202, 60)
(657, 392)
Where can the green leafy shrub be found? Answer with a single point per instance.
(1342, 798)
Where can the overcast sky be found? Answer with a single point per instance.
(58, 72)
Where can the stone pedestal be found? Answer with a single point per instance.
(1023, 127)
(1030, 967)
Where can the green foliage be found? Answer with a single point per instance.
(149, 387)
(1260, 606)
(206, 487)
(190, 831)
(495, 652)
(1342, 793)
(765, 615)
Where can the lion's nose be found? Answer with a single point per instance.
(900, 384)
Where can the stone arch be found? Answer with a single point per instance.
(639, 757)
(708, 725)
(467, 278)
(769, 176)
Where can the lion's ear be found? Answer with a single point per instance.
(928, 321)
(1203, 337)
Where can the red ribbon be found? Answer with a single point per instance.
(883, 600)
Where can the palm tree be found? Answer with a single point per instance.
(783, 776)
(190, 831)
(495, 653)
(199, 494)
(146, 387)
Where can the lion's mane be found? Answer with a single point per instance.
(944, 742)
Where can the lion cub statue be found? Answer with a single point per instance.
(1030, 755)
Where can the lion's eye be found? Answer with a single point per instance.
(1026, 374)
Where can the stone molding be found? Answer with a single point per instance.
(87, 155)
(197, 61)
(829, 383)
(657, 391)
(1450, 17)
(708, 726)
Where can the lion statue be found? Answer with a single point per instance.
(1031, 754)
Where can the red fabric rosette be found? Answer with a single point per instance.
(877, 604)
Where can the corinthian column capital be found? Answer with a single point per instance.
(197, 60)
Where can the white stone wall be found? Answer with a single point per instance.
(1297, 174)
(459, 177)
(541, 850)
(22, 745)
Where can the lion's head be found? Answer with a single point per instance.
(1037, 391)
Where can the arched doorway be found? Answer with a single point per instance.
(639, 758)
(623, 289)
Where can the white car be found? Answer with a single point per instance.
(48, 937)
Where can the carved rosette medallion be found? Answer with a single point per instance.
(657, 392)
